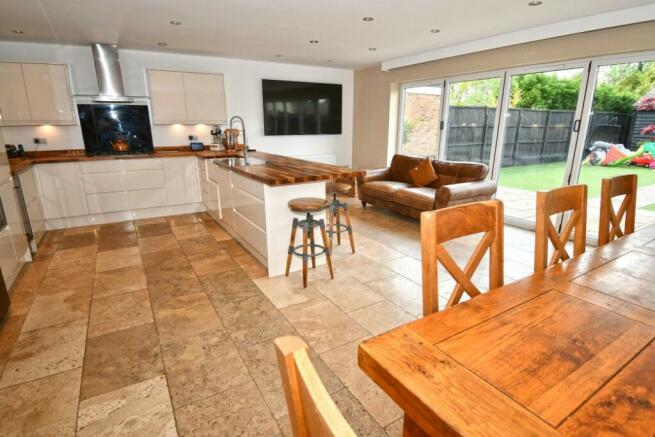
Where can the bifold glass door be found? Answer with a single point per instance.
(420, 120)
(541, 115)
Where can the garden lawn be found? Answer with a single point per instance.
(548, 176)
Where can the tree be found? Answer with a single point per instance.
(609, 98)
(482, 92)
(545, 91)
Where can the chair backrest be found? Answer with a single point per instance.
(442, 225)
(573, 199)
(610, 221)
(311, 409)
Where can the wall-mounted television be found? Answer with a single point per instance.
(301, 108)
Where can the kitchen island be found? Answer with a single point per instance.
(253, 196)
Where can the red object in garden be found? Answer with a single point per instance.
(648, 130)
(646, 104)
(644, 160)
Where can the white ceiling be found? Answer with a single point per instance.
(260, 29)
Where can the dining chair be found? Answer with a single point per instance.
(571, 199)
(610, 221)
(312, 411)
(442, 225)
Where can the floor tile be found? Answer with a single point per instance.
(10, 328)
(252, 266)
(79, 230)
(189, 231)
(141, 409)
(381, 317)
(119, 281)
(361, 267)
(70, 257)
(145, 230)
(118, 258)
(322, 324)
(229, 287)
(183, 219)
(119, 359)
(54, 309)
(117, 228)
(116, 241)
(156, 244)
(202, 365)
(118, 312)
(217, 232)
(261, 360)
(343, 362)
(241, 408)
(253, 320)
(286, 291)
(395, 429)
(214, 264)
(407, 294)
(356, 415)
(184, 316)
(180, 282)
(161, 263)
(406, 266)
(348, 293)
(45, 407)
(78, 240)
(78, 276)
(44, 352)
(233, 247)
(201, 247)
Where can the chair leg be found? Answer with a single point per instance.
(338, 227)
(350, 228)
(330, 213)
(363, 204)
(312, 245)
(304, 255)
(292, 243)
(328, 256)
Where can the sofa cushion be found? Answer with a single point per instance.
(417, 197)
(401, 165)
(451, 172)
(423, 174)
(382, 190)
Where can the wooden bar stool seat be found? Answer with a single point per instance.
(334, 212)
(308, 206)
(338, 187)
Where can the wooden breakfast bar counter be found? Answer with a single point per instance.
(253, 197)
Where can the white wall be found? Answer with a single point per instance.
(242, 90)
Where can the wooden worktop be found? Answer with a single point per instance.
(55, 156)
(284, 170)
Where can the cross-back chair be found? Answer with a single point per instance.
(312, 411)
(443, 225)
(572, 199)
(610, 221)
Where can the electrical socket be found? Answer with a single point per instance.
(40, 140)
(193, 137)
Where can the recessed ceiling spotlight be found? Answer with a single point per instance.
(175, 22)
(367, 19)
(435, 30)
(372, 49)
(535, 3)
(278, 55)
(17, 31)
(162, 44)
(329, 61)
(313, 41)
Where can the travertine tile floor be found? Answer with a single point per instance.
(165, 326)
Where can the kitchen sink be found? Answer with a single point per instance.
(238, 162)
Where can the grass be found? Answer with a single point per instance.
(650, 207)
(547, 176)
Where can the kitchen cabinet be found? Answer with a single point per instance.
(182, 181)
(62, 190)
(13, 243)
(167, 97)
(29, 186)
(221, 177)
(35, 94)
(186, 97)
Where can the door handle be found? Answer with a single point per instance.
(576, 125)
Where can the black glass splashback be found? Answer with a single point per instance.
(111, 129)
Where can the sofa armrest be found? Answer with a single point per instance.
(379, 174)
(456, 193)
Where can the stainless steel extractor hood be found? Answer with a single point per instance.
(108, 73)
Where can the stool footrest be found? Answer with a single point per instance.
(322, 250)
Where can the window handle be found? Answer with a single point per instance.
(441, 125)
(576, 125)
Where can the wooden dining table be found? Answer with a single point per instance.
(566, 351)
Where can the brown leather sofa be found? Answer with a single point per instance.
(392, 188)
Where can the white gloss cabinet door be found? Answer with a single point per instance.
(205, 98)
(32, 197)
(167, 97)
(47, 93)
(182, 181)
(14, 106)
(222, 177)
(14, 232)
(62, 190)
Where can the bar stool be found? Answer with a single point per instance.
(308, 205)
(334, 188)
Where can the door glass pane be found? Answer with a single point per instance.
(419, 130)
(618, 140)
(538, 135)
(472, 108)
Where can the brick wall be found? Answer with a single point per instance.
(421, 123)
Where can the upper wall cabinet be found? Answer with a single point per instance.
(34, 94)
(181, 97)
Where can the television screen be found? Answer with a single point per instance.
(110, 129)
(301, 108)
